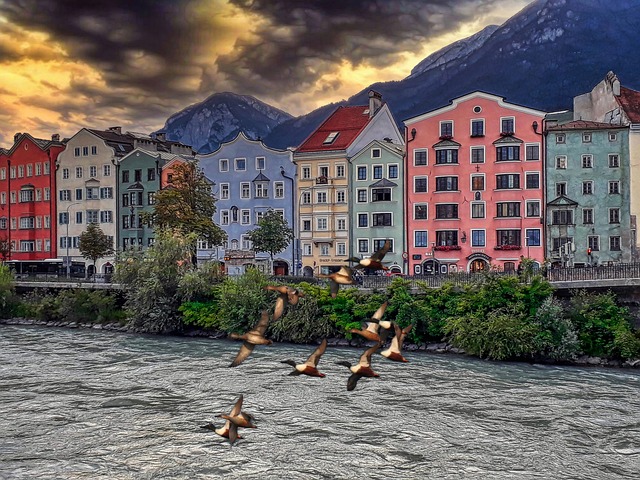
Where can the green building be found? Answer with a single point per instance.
(376, 203)
(588, 221)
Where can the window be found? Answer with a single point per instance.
(532, 237)
(341, 196)
(614, 215)
(93, 171)
(46, 168)
(78, 194)
(125, 199)
(341, 224)
(361, 195)
(306, 225)
(614, 161)
(363, 220)
(341, 249)
(65, 195)
(379, 243)
(278, 188)
(245, 217)
(47, 193)
(587, 216)
(306, 249)
(261, 189)
(477, 183)
(477, 155)
(27, 195)
(381, 195)
(561, 189)
(446, 184)
(507, 125)
(27, 246)
(47, 221)
(306, 198)
(593, 242)
(321, 223)
(613, 136)
(532, 180)
(614, 243)
(331, 138)
(223, 165)
(420, 211)
(533, 208)
(558, 243)
(478, 238)
(587, 188)
(508, 153)
(340, 171)
(362, 173)
(587, 161)
(321, 197)
(381, 220)
(27, 222)
(93, 216)
(419, 184)
(38, 170)
(446, 156)
(79, 218)
(94, 150)
(125, 176)
(306, 173)
(507, 209)
(446, 210)
(224, 191)
(224, 217)
(586, 138)
(29, 170)
(446, 237)
(3, 173)
(532, 152)
(125, 221)
(508, 237)
(614, 187)
(137, 175)
(419, 157)
(92, 193)
(392, 171)
(377, 172)
(562, 217)
(3, 198)
(561, 162)
(106, 216)
(12, 197)
(245, 190)
(507, 181)
(375, 153)
(363, 245)
(240, 164)
(420, 238)
(446, 129)
(85, 151)
(20, 171)
(12, 172)
(477, 128)
(151, 174)
(3, 223)
(106, 170)
(105, 192)
(477, 210)
(260, 163)
(78, 172)
(76, 152)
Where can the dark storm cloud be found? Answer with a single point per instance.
(303, 39)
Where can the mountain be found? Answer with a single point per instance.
(541, 57)
(219, 118)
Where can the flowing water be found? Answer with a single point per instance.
(97, 405)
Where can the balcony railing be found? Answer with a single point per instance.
(507, 247)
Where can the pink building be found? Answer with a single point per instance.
(474, 186)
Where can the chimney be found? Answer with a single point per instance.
(375, 102)
(16, 137)
(161, 136)
(55, 137)
(612, 78)
(117, 130)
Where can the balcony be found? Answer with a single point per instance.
(508, 247)
(446, 248)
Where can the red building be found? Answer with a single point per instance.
(28, 202)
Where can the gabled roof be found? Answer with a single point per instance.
(39, 142)
(507, 139)
(629, 100)
(261, 177)
(345, 124)
(562, 201)
(446, 143)
(383, 183)
(135, 186)
(583, 125)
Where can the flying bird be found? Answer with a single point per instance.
(237, 418)
(394, 351)
(286, 295)
(374, 262)
(373, 324)
(344, 276)
(310, 367)
(362, 369)
(229, 429)
(251, 339)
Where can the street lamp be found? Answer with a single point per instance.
(68, 260)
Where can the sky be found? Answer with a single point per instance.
(69, 64)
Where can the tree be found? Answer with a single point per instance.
(5, 249)
(187, 207)
(95, 244)
(273, 234)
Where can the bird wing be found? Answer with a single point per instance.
(373, 327)
(237, 408)
(277, 288)
(377, 316)
(345, 271)
(384, 334)
(353, 381)
(396, 341)
(294, 295)
(245, 351)
(262, 325)
(403, 334)
(314, 358)
(279, 308)
(233, 433)
(365, 358)
(379, 255)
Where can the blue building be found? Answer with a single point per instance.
(250, 179)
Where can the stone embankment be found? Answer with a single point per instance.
(440, 348)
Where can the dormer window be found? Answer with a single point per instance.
(330, 138)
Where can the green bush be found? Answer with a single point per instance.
(240, 301)
(556, 338)
(9, 302)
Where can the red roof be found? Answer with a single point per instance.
(629, 100)
(583, 125)
(347, 121)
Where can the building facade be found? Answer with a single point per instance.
(588, 197)
(376, 199)
(250, 179)
(474, 186)
(27, 204)
(322, 163)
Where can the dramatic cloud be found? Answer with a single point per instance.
(66, 64)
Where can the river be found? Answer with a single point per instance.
(82, 404)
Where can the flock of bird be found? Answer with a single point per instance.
(376, 330)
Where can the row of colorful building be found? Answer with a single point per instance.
(480, 182)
